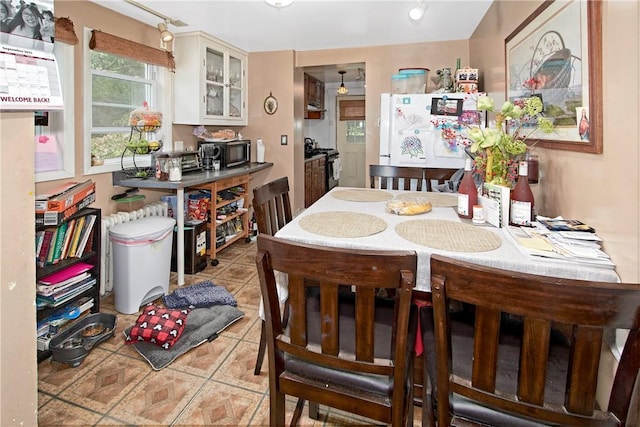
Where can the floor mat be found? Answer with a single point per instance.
(203, 324)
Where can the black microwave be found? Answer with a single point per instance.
(230, 154)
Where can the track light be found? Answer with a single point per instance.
(165, 34)
(278, 3)
(417, 12)
(342, 90)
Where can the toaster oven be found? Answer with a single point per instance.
(189, 160)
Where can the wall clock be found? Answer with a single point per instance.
(270, 104)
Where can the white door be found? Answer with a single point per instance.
(351, 143)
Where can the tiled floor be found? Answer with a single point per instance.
(212, 384)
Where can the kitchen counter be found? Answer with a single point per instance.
(315, 156)
(189, 179)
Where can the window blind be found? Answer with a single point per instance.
(108, 43)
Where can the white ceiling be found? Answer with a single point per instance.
(254, 26)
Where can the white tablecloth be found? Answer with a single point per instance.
(507, 256)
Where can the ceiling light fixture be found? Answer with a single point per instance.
(342, 90)
(417, 12)
(278, 3)
(165, 34)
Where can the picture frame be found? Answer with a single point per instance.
(445, 106)
(270, 104)
(556, 53)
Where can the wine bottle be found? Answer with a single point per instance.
(467, 192)
(522, 199)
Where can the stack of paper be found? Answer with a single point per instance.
(64, 285)
(571, 246)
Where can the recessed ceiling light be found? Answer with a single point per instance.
(278, 3)
(418, 12)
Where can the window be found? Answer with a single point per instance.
(55, 158)
(114, 87)
(355, 132)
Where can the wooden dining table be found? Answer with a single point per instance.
(359, 218)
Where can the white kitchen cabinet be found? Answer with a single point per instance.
(210, 82)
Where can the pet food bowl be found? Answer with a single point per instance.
(72, 345)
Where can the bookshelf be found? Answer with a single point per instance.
(67, 259)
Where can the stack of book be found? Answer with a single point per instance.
(59, 204)
(70, 239)
(64, 285)
(565, 240)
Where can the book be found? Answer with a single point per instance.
(42, 198)
(44, 249)
(67, 200)
(58, 299)
(39, 240)
(62, 231)
(67, 238)
(495, 200)
(76, 236)
(65, 273)
(52, 247)
(559, 224)
(56, 218)
(88, 227)
(46, 290)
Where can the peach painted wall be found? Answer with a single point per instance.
(84, 13)
(602, 190)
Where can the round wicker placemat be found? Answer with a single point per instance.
(448, 235)
(342, 224)
(437, 200)
(362, 195)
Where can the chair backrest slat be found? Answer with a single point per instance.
(422, 178)
(583, 369)
(329, 318)
(365, 316)
(380, 175)
(485, 349)
(533, 360)
(272, 206)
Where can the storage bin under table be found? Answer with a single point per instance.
(141, 253)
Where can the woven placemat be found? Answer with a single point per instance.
(448, 235)
(437, 200)
(362, 195)
(342, 224)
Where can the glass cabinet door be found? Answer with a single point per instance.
(235, 87)
(215, 83)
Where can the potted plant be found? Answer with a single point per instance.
(496, 150)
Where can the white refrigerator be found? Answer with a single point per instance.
(415, 129)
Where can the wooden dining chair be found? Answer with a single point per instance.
(529, 356)
(272, 207)
(381, 175)
(344, 347)
(437, 176)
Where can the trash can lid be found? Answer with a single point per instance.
(148, 227)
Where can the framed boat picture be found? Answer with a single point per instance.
(556, 54)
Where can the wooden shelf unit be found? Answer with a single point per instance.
(91, 256)
(215, 187)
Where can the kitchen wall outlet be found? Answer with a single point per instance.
(178, 145)
(284, 139)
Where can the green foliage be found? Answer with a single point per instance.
(108, 146)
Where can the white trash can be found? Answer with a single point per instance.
(141, 252)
